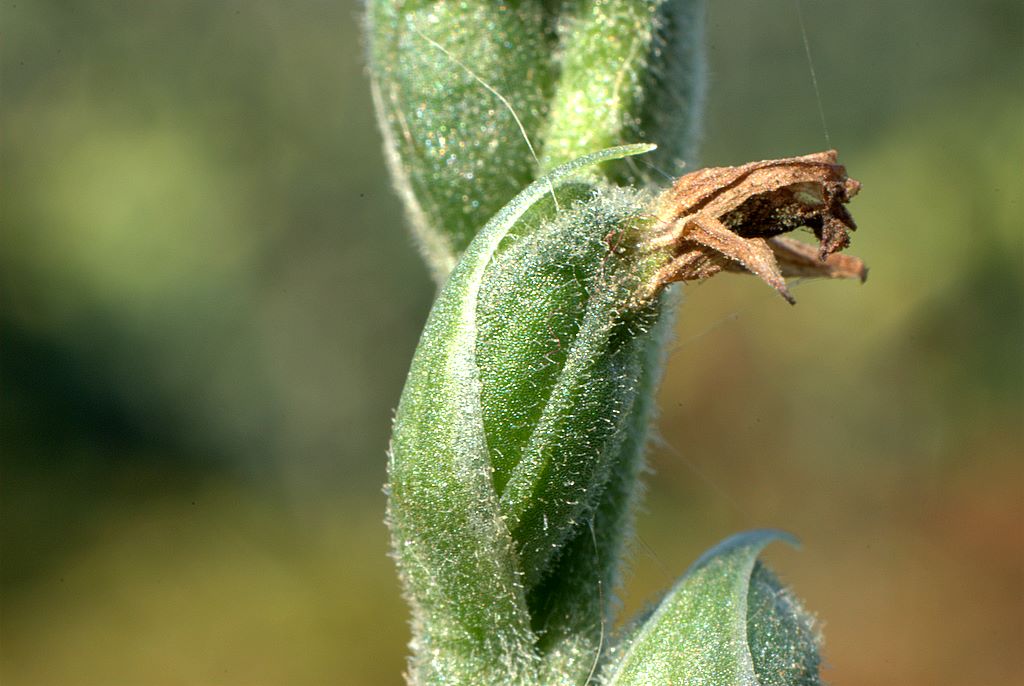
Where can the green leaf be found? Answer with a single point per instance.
(459, 88)
(456, 556)
(781, 635)
(630, 70)
(726, 622)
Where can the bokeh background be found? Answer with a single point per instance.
(209, 302)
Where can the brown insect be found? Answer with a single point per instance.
(733, 218)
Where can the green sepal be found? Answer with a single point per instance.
(576, 602)
(457, 559)
(562, 348)
(727, 621)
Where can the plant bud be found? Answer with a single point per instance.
(517, 440)
(489, 475)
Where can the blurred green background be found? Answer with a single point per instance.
(209, 303)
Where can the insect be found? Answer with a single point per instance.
(732, 219)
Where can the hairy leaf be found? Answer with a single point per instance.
(726, 622)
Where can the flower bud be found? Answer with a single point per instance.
(520, 398)
(517, 441)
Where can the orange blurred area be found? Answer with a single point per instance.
(210, 302)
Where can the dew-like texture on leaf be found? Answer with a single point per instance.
(447, 78)
(783, 642)
(700, 633)
(458, 563)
